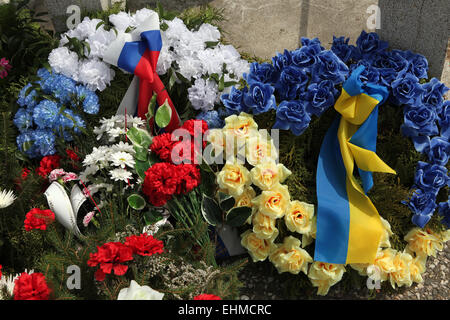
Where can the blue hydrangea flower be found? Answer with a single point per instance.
(292, 115)
(320, 96)
(342, 49)
(63, 88)
(329, 67)
(430, 177)
(43, 73)
(260, 98)
(293, 81)
(91, 103)
(233, 101)
(44, 140)
(29, 100)
(212, 118)
(25, 143)
(23, 119)
(406, 89)
(45, 114)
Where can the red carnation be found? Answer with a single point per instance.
(47, 165)
(207, 296)
(31, 287)
(72, 155)
(144, 245)
(25, 172)
(195, 127)
(160, 183)
(162, 145)
(110, 257)
(38, 219)
(189, 178)
(1, 271)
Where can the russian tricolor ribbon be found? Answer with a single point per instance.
(349, 227)
(137, 53)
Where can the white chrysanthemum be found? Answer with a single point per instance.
(100, 41)
(142, 15)
(122, 147)
(203, 94)
(64, 61)
(97, 155)
(122, 21)
(6, 198)
(121, 175)
(95, 74)
(88, 171)
(116, 132)
(208, 33)
(122, 159)
(8, 282)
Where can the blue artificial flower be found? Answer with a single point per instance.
(292, 115)
(48, 84)
(305, 56)
(63, 89)
(30, 99)
(387, 76)
(342, 49)
(44, 140)
(368, 44)
(420, 120)
(320, 96)
(434, 94)
(281, 61)
(264, 72)
(369, 74)
(293, 81)
(438, 151)
(417, 64)
(329, 67)
(25, 143)
(43, 73)
(311, 42)
(444, 119)
(422, 204)
(390, 60)
(212, 118)
(406, 89)
(91, 103)
(430, 177)
(45, 114)
(444, 211)
(23, 119)
(260, 98)
(233, 101)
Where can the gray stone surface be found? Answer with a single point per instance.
(418, 25)
(171, 5)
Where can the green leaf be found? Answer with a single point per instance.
(152, 217)
(136, 202)
(211, 211)
(141, 153)
(227, 203)
(139, 137)
(211, 44)
(222, 83)
(141, 167)
(236, 217)
(99, 25)
(163, 115)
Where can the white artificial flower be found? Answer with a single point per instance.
(96, 74)
(6, 198)
(190, 68)
(176, 29)
(203, 94)
(100, 41)
(142, 15)
(137, 292)
(115, 133)
(121, 146)
(64, 61)
(8, 283)
(212, 60)
(208, 33)
(88, 171)
(122, 21)
(165, 60)
(87, 27)
(119, 174)
(122, 159)
(73, 33)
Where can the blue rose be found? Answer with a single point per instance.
(430, 177)
(292, 115)
(419, 120)
(45, 114)
(320, 96)
(434, 94)
(305, 56)
(292, 82)
(444, 119)
(233, 101)
(264, 72)
(444, 211)
(23, 119)
(342, 49)
(406, 89)
(417, 64)
(311, 42)
(329, 67)
(387, 76)
(438, 151)
(369, 74)
(422, 204)
(281, 61)
(391, 60)
(260, 98)
(368, 44)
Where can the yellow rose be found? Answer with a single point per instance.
(307, 238)
(237, 129)
(401, 275)
(299, 217)
(259, 149)
(416, 268)
(268, 174)
(383, 264)
(360, 267)
(424, 242)
(387, 233)
(264, 226)
(274, 202)
(325, 275)
(245, 200)
(289, 257)
(233, 178)
(259, 249)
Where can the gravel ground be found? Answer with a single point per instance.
(262, 283)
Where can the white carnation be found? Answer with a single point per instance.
(87, 27)
(100, 41)
(137, 292)
(208, 33)
(189, 67)
(95, 74)
(122, 21)
(203, 94)
(64, 61)
(142, 15)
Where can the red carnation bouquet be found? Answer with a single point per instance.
(31, 287)
(38, 219)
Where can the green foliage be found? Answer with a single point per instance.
(195, 17)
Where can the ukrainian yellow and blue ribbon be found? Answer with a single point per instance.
(349, 228)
